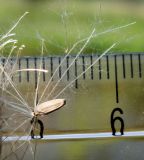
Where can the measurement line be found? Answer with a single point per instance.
(116, 79)
(19, 64)
(91, 62)
(83, 64)
(59, 59)
(27, 65)
(131, 64)
(99, 62)
(139, 62)
(107, 64)
(35, 66)
(11, 63)
(76, 81)
(3, 64)
(44, 76)
(123, 64)
(51, 66)
(67, 65)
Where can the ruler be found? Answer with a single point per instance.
(105, 101)
(115, 81)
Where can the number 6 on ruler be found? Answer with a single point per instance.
(113, 119)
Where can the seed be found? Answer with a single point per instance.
(49, 106)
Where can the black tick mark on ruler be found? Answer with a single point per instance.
(139, 62)
(107, 64)
(59, 59)
(51, 66)
(67, 65)
(131, 64)
(19, 63)
(116, 79)
(100, 74)
(123, 65)
(35, 66)
(43, 62)
(92, 69)
(27, 65)
(83, 64)
(76, 81)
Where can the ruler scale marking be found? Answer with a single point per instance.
(3, 64)
(51, 66)
(67, 65)
(27, 65)
(127, 61)
(59, 61)
(107, 65)
(83, 64)
(35, 66)
(139, 63)
(116, 79)
(76, 81)
(131, 66)
(11, 64)
(123, 65)
(20, 76)
(100, 74)
(91, 62)
(43, 62)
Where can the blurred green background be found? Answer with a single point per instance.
(61, 23)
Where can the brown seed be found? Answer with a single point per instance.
(49, 106)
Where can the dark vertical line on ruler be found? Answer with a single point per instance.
(11, 63)
(116, 79)
(131, 65)
(91, 62)
(99, 62)
(139, 63)
(36, 78)
(67, 65)
(3, 64)
(27, 66)
(19, 64)
(35, 66)
(76, 80)
(43, 64)
(83, 66)
(123, 65)
(107, 64)
(51, 66)
(59, 59)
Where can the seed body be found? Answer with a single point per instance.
(49, 106)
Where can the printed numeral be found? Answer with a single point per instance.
(114, 119)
